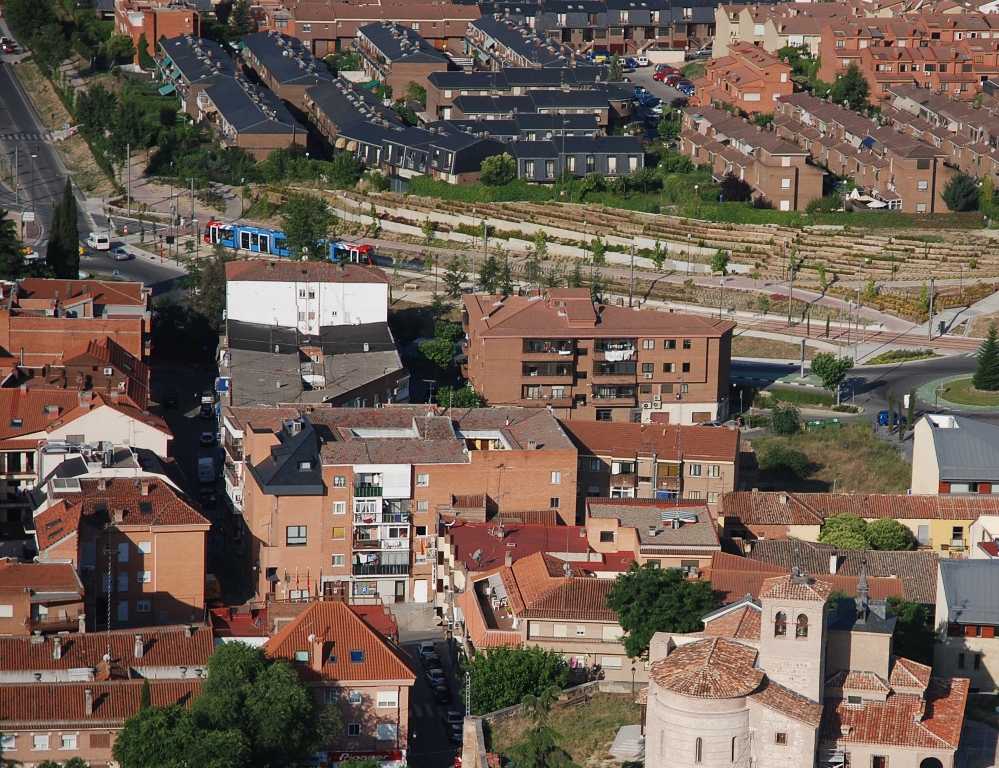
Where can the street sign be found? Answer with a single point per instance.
(116, 273)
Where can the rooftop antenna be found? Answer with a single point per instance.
(477, 556)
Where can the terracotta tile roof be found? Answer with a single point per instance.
(731, 585)
(39, 577)
(903, 720)
(767, 508)
(740, 624)
(520, 316)
(259, 419)
(906, 673)
(56, 523)
(642, 515)
(109, 352)
(34, 288)
(519, 540)
(163, 647)
(577, 598)
(916, 570)
(795, 588)
(643, 696)
(541, 573)
(22, 706)
(342, 632)
(713, 668)
(623, 438)
(297, 271)
(475, 624)
(777, 698)
(858, 681)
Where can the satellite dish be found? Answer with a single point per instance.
(567, 569)
(312, 638)
(477, 555)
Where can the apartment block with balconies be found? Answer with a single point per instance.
(596, 362)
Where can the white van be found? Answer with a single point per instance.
(99, 242)
(643, 61)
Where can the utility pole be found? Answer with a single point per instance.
(17, 169)
(192, 203)
(128, 183)
(790, 290)
(485, 250)
(631, 281)
(33, 156)
(929, 322)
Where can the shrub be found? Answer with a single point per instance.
(780, 457)
(801, 396)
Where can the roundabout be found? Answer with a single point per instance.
(957, 392)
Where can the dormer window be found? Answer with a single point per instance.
(780, 624)
(801, 626)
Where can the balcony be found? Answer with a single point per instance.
(367, 544)
(380, 570)
(367, 491)
(53, 623)
(548, 347)
(381, 518)
(624, 481)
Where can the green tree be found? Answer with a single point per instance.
(440, 352)
(823, 282)
(871, 290)
(734, 189)
(308, 223)
(719, 262)
(852, 87)
(498, 170)
(649, 599)
(763, 304)
(489, 275)
(120, 47)
(63, 252)
(668, 130)
(911, 415)
(541, 746)
(76, 762)
(540, 244)
(781, 458)
(146, 61)
(924, 299)
(506, 278)
(614, 72)
(914, 637)
(12, 264)
(598, 252)
(416, 92)
(845, 531)
(987, 373)
(961, 193)
(209, 300)
(831, 371)
(658, 256)
(145, 695)
(986, 193)
(455, 275)
(784, 419)
(888, 535)
(576, 278)
(439, 306)
(504, 676)
(241, 21)
(428, 230)
(463, 397)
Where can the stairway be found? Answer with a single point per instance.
(629, 744)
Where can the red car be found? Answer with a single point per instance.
(673, 79)
(659, 76)
(667, 68)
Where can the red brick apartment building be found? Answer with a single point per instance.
(348, 664)
(584, 361)
(136, 542)
(44, 597)
(349, 499)
(155, 20)
(746, 77)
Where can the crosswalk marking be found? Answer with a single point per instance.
(26, 136)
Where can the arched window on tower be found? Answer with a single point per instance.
(697, 750)
(801, 627)
(780, 624)
(733, 747)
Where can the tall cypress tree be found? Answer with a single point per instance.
(987, 374)
(63, 256)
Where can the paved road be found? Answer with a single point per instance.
(429, 746)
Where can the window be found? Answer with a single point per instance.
(355, 697)
(612, 164)
(555, 502)
(923, 186)
(528, 168)
(123, 553)
(920, 207)
(580, 631)
(339, 560)
(604, 415)
(7, 611)
(422, 505)
(879, 761)
(669, 367)
(296, 535)
(8, 743)
(648, 343)
(100, 740)
(854, 700)
(695, 470)
(123, 582)
(610, 662)
(306, 27)
(785, 183)
(698, 749)
(712, 497)
(40, 742)
(143, 577)
(978, 659)
(357, 656)
(780, 624)
(714, 470)
(387, 731)
(606, 537)
(388, 700)
(570, 163)
(339, 532)
(353, 729)
(684, 388)
(960, 661)
(648, 368)
(340, 481)
(693, 495)
(339, 507)
(669, 344)
(686, 368)
(559, 630)
(143, 606)
(686, 343)
(734, 741)
(780, 738)
(422, 481)
(801, 626)
(957, 536)
(331, 696)
(556, 478)
(68, 741)
(591, 164)
(594, 465)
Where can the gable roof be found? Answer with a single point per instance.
(777, 698)
(342, 632)
(965, 449)
(783, 508)
(740, 621)
(971, 591)
(38, 578)
(624, 439)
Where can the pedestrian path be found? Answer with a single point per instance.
(46, 136)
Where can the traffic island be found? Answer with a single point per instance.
(958, 392)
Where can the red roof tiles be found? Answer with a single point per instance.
(714, 668)
(777, 698)
(39, 577)
(739, 624)
(297, 271)
(623, 438)
(795, 588)
(767, 508)
(519, 540)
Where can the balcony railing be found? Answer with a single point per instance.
(380, 570)
(391, 544)
(381, 518)
(363, 491)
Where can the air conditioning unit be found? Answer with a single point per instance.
(648, 375)
(657, 405)
(657, 398)
(109, 371)
(646, 406)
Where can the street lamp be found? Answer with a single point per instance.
(33, 156)
(688, 253)
(721, 296)
(697, 200)
(632, 681)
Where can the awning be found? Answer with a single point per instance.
(166, 89)
(351, 146)
(341, 142)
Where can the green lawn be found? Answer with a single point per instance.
(901, 355)
(957, 392)
(587, 729)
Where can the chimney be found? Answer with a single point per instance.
(88, 706)
(532, 445)
(144, 487)
(57, 647)
(783, 498)
(318, 653)
(102, 484)
(183, 673)
(508, 558)
(81, 623)
(833, 563)
(501, 531)
(139, 647)
(119, 516)
(188, 631)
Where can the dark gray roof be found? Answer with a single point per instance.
(966, 449)
(570, 6)
(497, 128)
(294, 468)
(399, 43)
(970, 591)
(847, 617)
(456, 80)
(538, 122)
(559, 99)
(198, 59)
(531, 150)
(232, 98)
(343, 104)
(652, 5)
(553, 76)
(521, 40)
(610, 144)
(286, 59)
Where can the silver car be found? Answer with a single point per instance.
(119, 254)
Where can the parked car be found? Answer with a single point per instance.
(209, 500)
(435, 677)
(427, 647)
(673, 79)
(640, 91)
(883, 419)
(171, 400)
(642, 61)
(657, 110)
(660, 76)
(666, 68)
(705, 51)
(455, 733)
(442, 694)
(630, 62)
(432, 661)
(649, 100)
(206, 412)
(714, 423)
(454, 717)
(208, 438)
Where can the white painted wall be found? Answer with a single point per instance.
(104, 423)
(268, 302)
